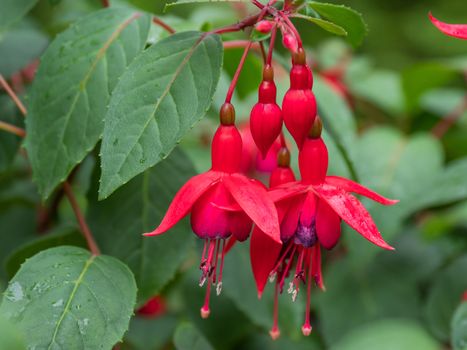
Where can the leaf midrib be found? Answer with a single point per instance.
(162, 97)
(81, 87)
(70, 299)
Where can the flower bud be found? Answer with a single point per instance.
(226, 149)
(264, 26)
(290, 42)
(313, 161)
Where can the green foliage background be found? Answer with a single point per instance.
(404, 79)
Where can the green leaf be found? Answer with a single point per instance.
(326, 25)
(161, 95)
(65, 298)
(447, 187)
(388, 335)
(421, 78)
(444, 296)
(350, 20)
(71, 90)
(19, 47)
(10, 337)
(66, 236)
(398, 167)
(183, 2)
(149, 333)
(459, 328)
(366, 295)
(13, 10)
(119, 222)
(187, 337)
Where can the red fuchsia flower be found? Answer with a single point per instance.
(299, 104)
(153, 308)
(310, 213)
(266, 116)
(209, 196)
(455, 30)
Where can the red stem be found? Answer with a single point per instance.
(12, 129)
(271, 45)
(105, 3)
(81, 221)
(12, 94)
(292, 28)
(449, 120)
(164, 25)
(233, 84)
(66, 186)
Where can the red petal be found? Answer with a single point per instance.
(287, 190)
(351, 186)
(352, 212)
(289, 222)
(240, 225)
(455, 30)
(184, 200)
(308, 212)
(264, 253)
(255, 202)
(328, 225)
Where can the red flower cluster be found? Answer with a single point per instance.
(292, 221)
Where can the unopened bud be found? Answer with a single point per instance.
(290, 42)
(263, 26)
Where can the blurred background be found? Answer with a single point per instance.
(394, 112)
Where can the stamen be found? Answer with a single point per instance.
(221, 268)
(282, 257)
(275, 332)
(206, 265)
(272, 276)
(216, 257)
(306, 328)
(205, 311)
(287, 268)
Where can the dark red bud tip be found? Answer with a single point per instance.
(306, 330)
(283, 157)
(264, 26)
(316, 129)
(464, 296)
(299, 57)
(268, 73)
(227, 114)
(275, 333)
(205, 312)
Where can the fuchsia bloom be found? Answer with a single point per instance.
(309, 213)
(209, 196)
(455, 30)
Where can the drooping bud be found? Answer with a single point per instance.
(299, 104)
(313, 158)
(264, 26)
(266, 116)
(290, 41)
(282, 174)
(226, 148)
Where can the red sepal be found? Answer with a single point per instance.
(352, 212)
(256, 203)
(351, 186)
(264, 253)
(184, 200)
(455, 30)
